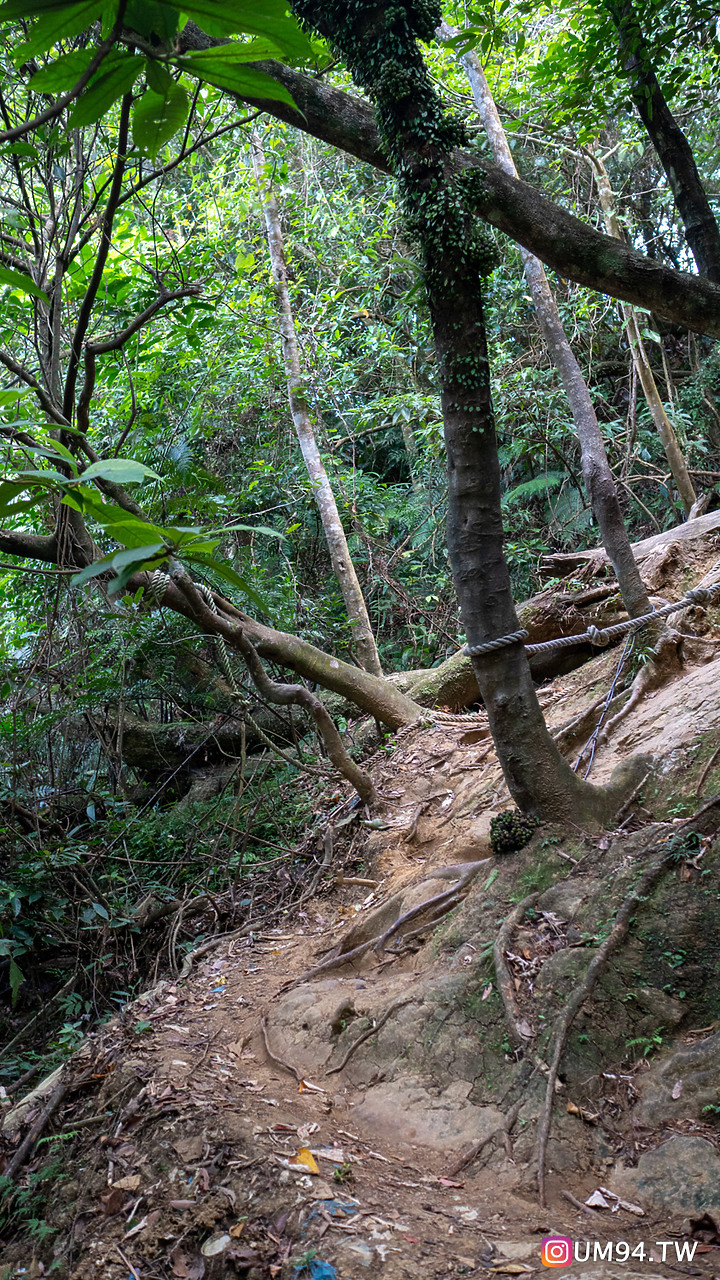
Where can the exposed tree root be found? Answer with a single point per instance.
(465, 872)
(472, 1153)
(584, 989)
(706, 771)
(279, 1062)
(27, 1146)
(371, 1031)
(506, 986)
(665, 663)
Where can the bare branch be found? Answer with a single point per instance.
(46, 403)
(88, 301)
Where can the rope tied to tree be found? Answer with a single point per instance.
(599, 637)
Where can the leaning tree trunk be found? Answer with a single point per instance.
(674, 152)
(379, 44)
(663, 426)
(343, 567)
(596, 468)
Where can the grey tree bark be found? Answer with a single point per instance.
(596, 468)
(343, 567)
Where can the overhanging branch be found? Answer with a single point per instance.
(563, 242)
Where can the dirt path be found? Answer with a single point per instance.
(202, 1150)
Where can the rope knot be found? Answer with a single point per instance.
(597, 637)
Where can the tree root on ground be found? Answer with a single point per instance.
(506, 986)
(279, 1062)
(584, 989)
(472, 1153)
(464, 873)
(666, 662)
(371, 1031)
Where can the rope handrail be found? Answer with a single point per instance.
(598, 636)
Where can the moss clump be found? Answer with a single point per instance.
(511, 831)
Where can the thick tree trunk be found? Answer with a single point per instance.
(539, 779)
(379, 44)
(701, 229)
(596, 468)
(663, 425)
(343, 567)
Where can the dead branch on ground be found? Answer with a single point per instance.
(506, 986)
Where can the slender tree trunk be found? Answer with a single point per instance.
(598, 477)
(701, 229)
(343, 567)
(663, 425)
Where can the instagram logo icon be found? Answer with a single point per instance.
(556, 1251)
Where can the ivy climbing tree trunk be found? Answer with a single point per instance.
(343, 567)
(598, 477)
(674, 152)
(379, 42)
(663, 426)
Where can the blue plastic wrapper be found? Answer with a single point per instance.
(316, 1270)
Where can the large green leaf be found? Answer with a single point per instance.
(59, 454)
(159, 115)
(268, 18)
(132, 558)
(10, 491)
(116, 77)
(24, 283)
(248, 528)
(121, 470)
(51, 478)
(63, 73)
(224, 570)
(58, 23)
(134, 555)
(157, 22)
(221, 69)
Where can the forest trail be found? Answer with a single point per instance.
(189, 1166)
(198, 1168)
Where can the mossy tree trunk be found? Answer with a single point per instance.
(379, 43)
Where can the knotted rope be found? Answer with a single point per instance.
(600, 637)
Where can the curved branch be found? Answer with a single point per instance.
(88, 301)
(571, 247)
(118, 340)
(30, 546)
(52, 112)
(284, 694)
(44, 400)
